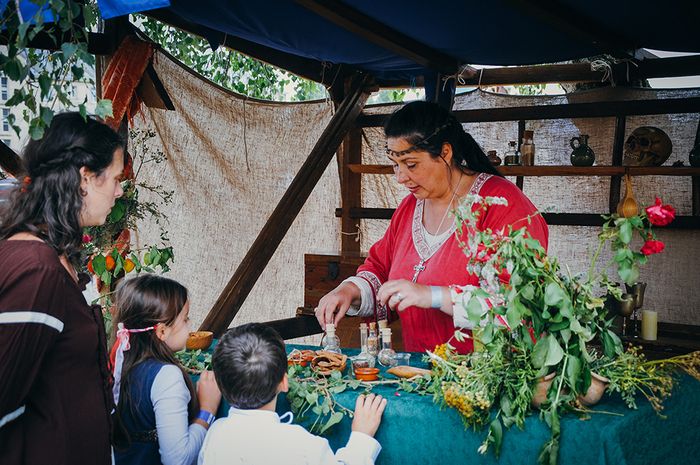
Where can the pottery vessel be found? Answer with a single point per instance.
(539, 395)
(583, 154)
(595, 390)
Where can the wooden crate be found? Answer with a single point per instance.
(322, 274)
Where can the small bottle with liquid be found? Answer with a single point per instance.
(387, 356)
(512, 156)
(364, 359)
(331, 341)
(372, 340)
(527, 149)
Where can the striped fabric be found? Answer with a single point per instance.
(31, 317)
(11, 416)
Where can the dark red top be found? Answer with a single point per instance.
(55, 397)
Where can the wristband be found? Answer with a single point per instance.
(206, 417)
(435, 297)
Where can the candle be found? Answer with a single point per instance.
(649, 320)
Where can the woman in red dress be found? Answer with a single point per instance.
(411, 268)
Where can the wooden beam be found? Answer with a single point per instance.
(152, 91)
(566, 219)
(10, 161)
(564, 170)
(98, 43)
(251, 267)
(350, 190)
(566, 110)
(582, 72)
(380, 34)
(308, 68)
(618, 147)
(299, 326)
(695, 186)
(571, 22)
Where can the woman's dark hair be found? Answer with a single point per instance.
(427, 126)
(141, 302)
(49, 203)
(249, 363)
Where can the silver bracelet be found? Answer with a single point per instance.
(435, 297)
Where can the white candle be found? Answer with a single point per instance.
(649, 323)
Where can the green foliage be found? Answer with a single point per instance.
(44, 78)
(194, 361)
(229, 68)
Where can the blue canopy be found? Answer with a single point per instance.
(495, 32)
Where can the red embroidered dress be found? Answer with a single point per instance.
(404, 248)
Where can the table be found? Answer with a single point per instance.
(415, 431)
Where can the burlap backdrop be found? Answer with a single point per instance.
(221, 201)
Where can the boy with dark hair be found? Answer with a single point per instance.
(250, 366)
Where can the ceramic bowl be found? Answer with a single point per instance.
(367, 374)
(199, 340)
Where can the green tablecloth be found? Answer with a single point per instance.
(415, 431)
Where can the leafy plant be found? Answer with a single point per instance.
(533, 318)
(194, 361)
(44, 78)
(229, 68)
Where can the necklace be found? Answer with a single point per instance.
(420, 266)
(449, 205)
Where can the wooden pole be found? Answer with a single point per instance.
(618, 147)
(251, 267)
(10, 161)
(350, 191)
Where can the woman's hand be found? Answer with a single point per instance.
(208, 392)
(402, 293)
(333, 306)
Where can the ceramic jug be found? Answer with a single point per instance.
(582, 154)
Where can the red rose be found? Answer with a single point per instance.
(660, 215)
(504, 276)
(652, 247)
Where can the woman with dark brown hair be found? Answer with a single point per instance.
(55, 400)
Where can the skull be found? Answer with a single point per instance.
(647, 146)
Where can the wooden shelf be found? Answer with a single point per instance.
(566, 110)
(558, 219)
(560, 170)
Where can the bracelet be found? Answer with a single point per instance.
(206, 417)
(435, 297)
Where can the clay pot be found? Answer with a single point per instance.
(595, 390)
(539, 396)
(199, 340)
(367, 374)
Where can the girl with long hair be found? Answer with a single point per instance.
(159, 418)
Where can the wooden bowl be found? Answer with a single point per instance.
(199, 340)
(300, 357)
(367, 374)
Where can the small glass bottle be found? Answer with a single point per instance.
(332, 343)
(373, 340)
(387, 356)
(364, 359)
(527, 149)
(512, 156)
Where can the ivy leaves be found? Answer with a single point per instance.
(44, 79)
